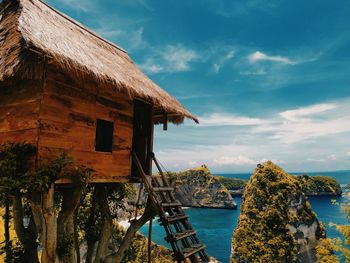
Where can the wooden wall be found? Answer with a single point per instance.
(19, 111)
(69, 110)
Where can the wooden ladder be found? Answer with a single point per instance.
(180, 234)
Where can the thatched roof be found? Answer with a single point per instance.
(32, 33)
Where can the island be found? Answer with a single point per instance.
(199, 188)
(317, 185)
(276, 223)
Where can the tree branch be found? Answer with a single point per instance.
(130, 233)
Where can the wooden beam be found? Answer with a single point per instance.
(165, 122)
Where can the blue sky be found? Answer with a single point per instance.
(267, 79)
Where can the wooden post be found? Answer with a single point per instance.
(150, 241)
(165, 122)
(150, 144)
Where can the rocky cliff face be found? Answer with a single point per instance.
(276, 223)
(199, 188)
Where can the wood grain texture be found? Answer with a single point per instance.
(19, 111)
(68, 123)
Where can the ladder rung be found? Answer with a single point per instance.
(182, 235)
(193, 250)
(172, 204)
(175, 218)
(161, 189)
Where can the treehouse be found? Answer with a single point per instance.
(65, 88)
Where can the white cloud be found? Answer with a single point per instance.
(131, 39)
(332, 157)
(239, 160)
(224, 119)
(259, 56)
(85, 5)
(289, 126)
(238, 8)
(307, 123)
(300, 113)
(222, 61)
(172, 58)
(178, 57)
(311, 138)
(315, 160)
(193, 164)
(258, 72)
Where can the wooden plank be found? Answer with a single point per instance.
(21, 92)
(106, 165)
(116, 104)
(19, 117)
(95, 178)
(66, 90)
(59, 107)
(28, 136)
(66, 135)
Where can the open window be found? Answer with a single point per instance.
(104, 136)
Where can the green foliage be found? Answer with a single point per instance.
(325, 251)
(232, 183)
(64, 244)
(17, 169)
(262, 234)
(21, 173)
(199, 187)
(137, 252)
(89, 217)
(318, 184)
(16, 162)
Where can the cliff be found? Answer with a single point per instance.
(311, 185)
(199, 188)
(234, 185)
(319, 185)
(276, 223)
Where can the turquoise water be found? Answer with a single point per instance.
(215, 227)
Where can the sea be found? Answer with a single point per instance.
(215, 226)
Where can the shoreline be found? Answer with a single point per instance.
(236, 194)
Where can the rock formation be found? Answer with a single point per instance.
(276, 223)
(199, 188)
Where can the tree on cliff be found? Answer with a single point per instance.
(274, 212)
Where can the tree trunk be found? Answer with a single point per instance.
(91, 221)
(28, 236)
(130, 233)
(65, 221)
(107, 226)
(32, 245)
(90, 251)
(35, 198)
(49, 227)
(76, 236)
(8, 243)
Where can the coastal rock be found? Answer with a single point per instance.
(319, 185)
(276, 223)
(199, 188)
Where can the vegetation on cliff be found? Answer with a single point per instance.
(316, 185)
(274, 216)
(232, 183)
(199, 188)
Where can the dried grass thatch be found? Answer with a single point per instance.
(32, 34)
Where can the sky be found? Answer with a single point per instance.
(268, 80)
